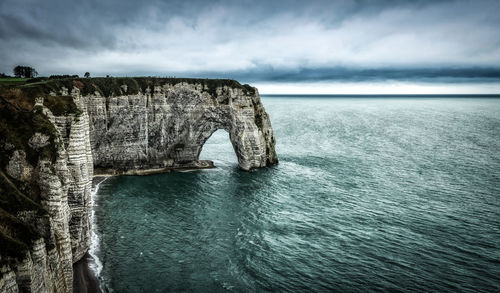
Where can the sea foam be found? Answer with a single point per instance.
(95, 264)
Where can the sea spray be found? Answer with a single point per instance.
(95, 264)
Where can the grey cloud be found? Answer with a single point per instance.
(445, 41)
(454, 75)
(339, 74)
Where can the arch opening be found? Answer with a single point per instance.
(219, 149)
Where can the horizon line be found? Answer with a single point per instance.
(385, 95)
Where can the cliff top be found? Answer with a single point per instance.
(114, 86)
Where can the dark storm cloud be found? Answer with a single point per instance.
(450, 41)
(458, 75)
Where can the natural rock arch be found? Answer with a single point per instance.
(248, 142)
(203, 140)
(166, 127)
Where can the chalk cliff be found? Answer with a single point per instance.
(167, 125)
(39, 238)
(54, 134)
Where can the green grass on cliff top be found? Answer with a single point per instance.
(12, 81)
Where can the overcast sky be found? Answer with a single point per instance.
(280, 46)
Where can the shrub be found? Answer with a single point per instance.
(63, 76)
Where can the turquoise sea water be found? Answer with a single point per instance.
(371, 194)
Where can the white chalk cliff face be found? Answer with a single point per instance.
(159, 128)
(167, 126)
(64, 189)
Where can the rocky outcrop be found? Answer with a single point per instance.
(38, 189)
(167, 125)
(54, 134)
(75, 133)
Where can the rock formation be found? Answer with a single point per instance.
(167, 125)
(54, 133)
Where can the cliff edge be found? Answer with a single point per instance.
(55, 134)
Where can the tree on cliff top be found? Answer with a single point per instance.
(25, 71)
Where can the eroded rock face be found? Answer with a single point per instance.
(64, 189)
(8, 282)
(38, 141)
(167, 126)
(18, 168)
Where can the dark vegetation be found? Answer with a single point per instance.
(24, 71)
(19, 121)
(63, 76)
(61, 105)
(112, 86)
(249, 90)
(37, 79)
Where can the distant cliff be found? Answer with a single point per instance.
(54, 133)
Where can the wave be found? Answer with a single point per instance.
(95, 264)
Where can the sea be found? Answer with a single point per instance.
(371, 193)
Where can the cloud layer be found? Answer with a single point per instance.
(279, 41)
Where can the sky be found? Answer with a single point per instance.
(280, 46)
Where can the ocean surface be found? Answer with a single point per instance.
(371, 194)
